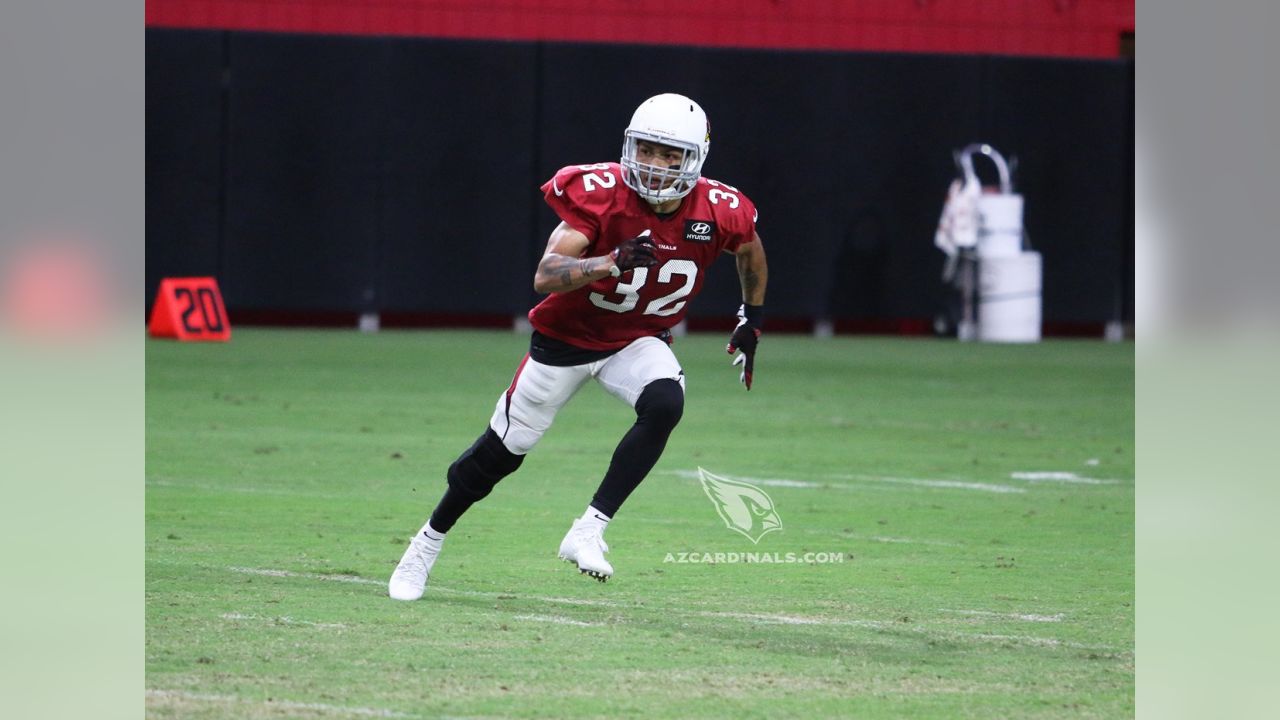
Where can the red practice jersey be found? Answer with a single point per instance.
(609, 313)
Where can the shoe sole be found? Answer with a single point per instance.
(589, 573)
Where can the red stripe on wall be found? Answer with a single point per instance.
(1062, 28)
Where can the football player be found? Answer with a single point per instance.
(632, 250)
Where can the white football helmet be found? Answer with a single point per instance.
(673, 120)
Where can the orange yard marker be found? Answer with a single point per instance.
(190, 309)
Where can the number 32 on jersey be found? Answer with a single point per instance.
(668, 304)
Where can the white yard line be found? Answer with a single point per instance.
(772, 619)
(1032, 640)
(433, 588)
(756, 618)
(912, 541)
(1059, 476)
(780, 619)
(713, 522)
(768, 482)
(556, 619)
(282, 620)
(251, 490)
(1030, 476)
(783, 482)
(181, 695)
(1025, 617)
(931, 483)
(920, 482)
(310, 576)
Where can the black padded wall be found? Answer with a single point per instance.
(402, 175)
(306, 171)
(185, 71)
(1070, 124)
(459, 178)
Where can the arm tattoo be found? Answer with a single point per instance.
(561, 267)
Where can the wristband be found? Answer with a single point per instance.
(754, 315)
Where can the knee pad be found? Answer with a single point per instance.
(661, 403)
(487, 461)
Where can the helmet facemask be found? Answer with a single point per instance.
(673, 182)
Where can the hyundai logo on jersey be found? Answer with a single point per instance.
(699, 230)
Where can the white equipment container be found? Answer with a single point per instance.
(999, 225)
(1009, 278)
(1009, 298)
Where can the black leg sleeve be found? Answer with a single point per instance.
(472, 477)
(657, 412)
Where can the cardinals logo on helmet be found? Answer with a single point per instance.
(745, 508)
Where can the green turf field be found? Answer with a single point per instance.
(286, 471)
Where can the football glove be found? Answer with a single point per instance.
(639, 251)
(745, 338)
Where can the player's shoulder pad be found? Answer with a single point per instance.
(586, 183)
(730, 207)
(583, 194)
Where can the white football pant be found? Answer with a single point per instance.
(538, 391)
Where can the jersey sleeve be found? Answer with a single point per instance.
(580, 195)
(739, 222)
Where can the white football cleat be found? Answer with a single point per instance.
(584, 545)
(409, 580)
